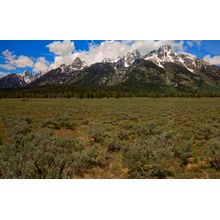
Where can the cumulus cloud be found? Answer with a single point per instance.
(63, 51)
(107, 49)
(96, 53)
(12, 62)
(114, 49)
(23, 61)
(212, 60)
(145, 46)
(61, 48)
(59, 60)
(41, 65)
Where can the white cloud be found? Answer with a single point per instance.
(59, 60)
(107, 49)
(9, 56)
(212, 60)
(114, 49)
(12, 62)
(2, 74)
(23, 61)
(7, 66)
(64, 52)
(194, 43)
(41, 65)
(9, 59)
(145, 46)
(61, 48)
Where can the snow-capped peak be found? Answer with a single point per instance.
(166, 54)
(131, 57)
(77, 64)
(26, 76)
(163, 54)
(124, 61)
(25, 73)
(166, 48)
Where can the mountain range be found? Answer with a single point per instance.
(159, 68)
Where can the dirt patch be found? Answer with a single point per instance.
(63, 132)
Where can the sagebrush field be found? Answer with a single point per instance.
(110, 138)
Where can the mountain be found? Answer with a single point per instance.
(11, 81)
(165, 54)
(107, 72)
(24, 79)
(176, 65)
(160, 69)
(16, 80)
(124, 61)
(62, 74)
(77, 64)
(26, 76)
(128, 59)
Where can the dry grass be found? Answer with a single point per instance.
(135, 138)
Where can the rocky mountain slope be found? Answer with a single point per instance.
(162, 67)
(16, 80)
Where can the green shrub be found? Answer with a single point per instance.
(163, 162)
(145, 130)
(214, 153)
(97, 133)
(94, 156)
(135, 158)
(38, 155)
(69, 144)
(183, 152)
(147, 160)
(124, 134)
(19, 126)
(60, 122)
(151, 129)
(113, 144)
(204, 132)
(83, 121)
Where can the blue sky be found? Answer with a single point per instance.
(42, 55)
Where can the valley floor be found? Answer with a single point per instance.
(110, 138)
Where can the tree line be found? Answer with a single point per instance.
(103, 92)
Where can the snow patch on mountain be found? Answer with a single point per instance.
(77, 64)
(26, 76)
(125, 61)
(166, 54)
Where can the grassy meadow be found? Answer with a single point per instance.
(110, 138)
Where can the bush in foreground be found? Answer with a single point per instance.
(183, 152)
(148, 160)
(214, 153)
